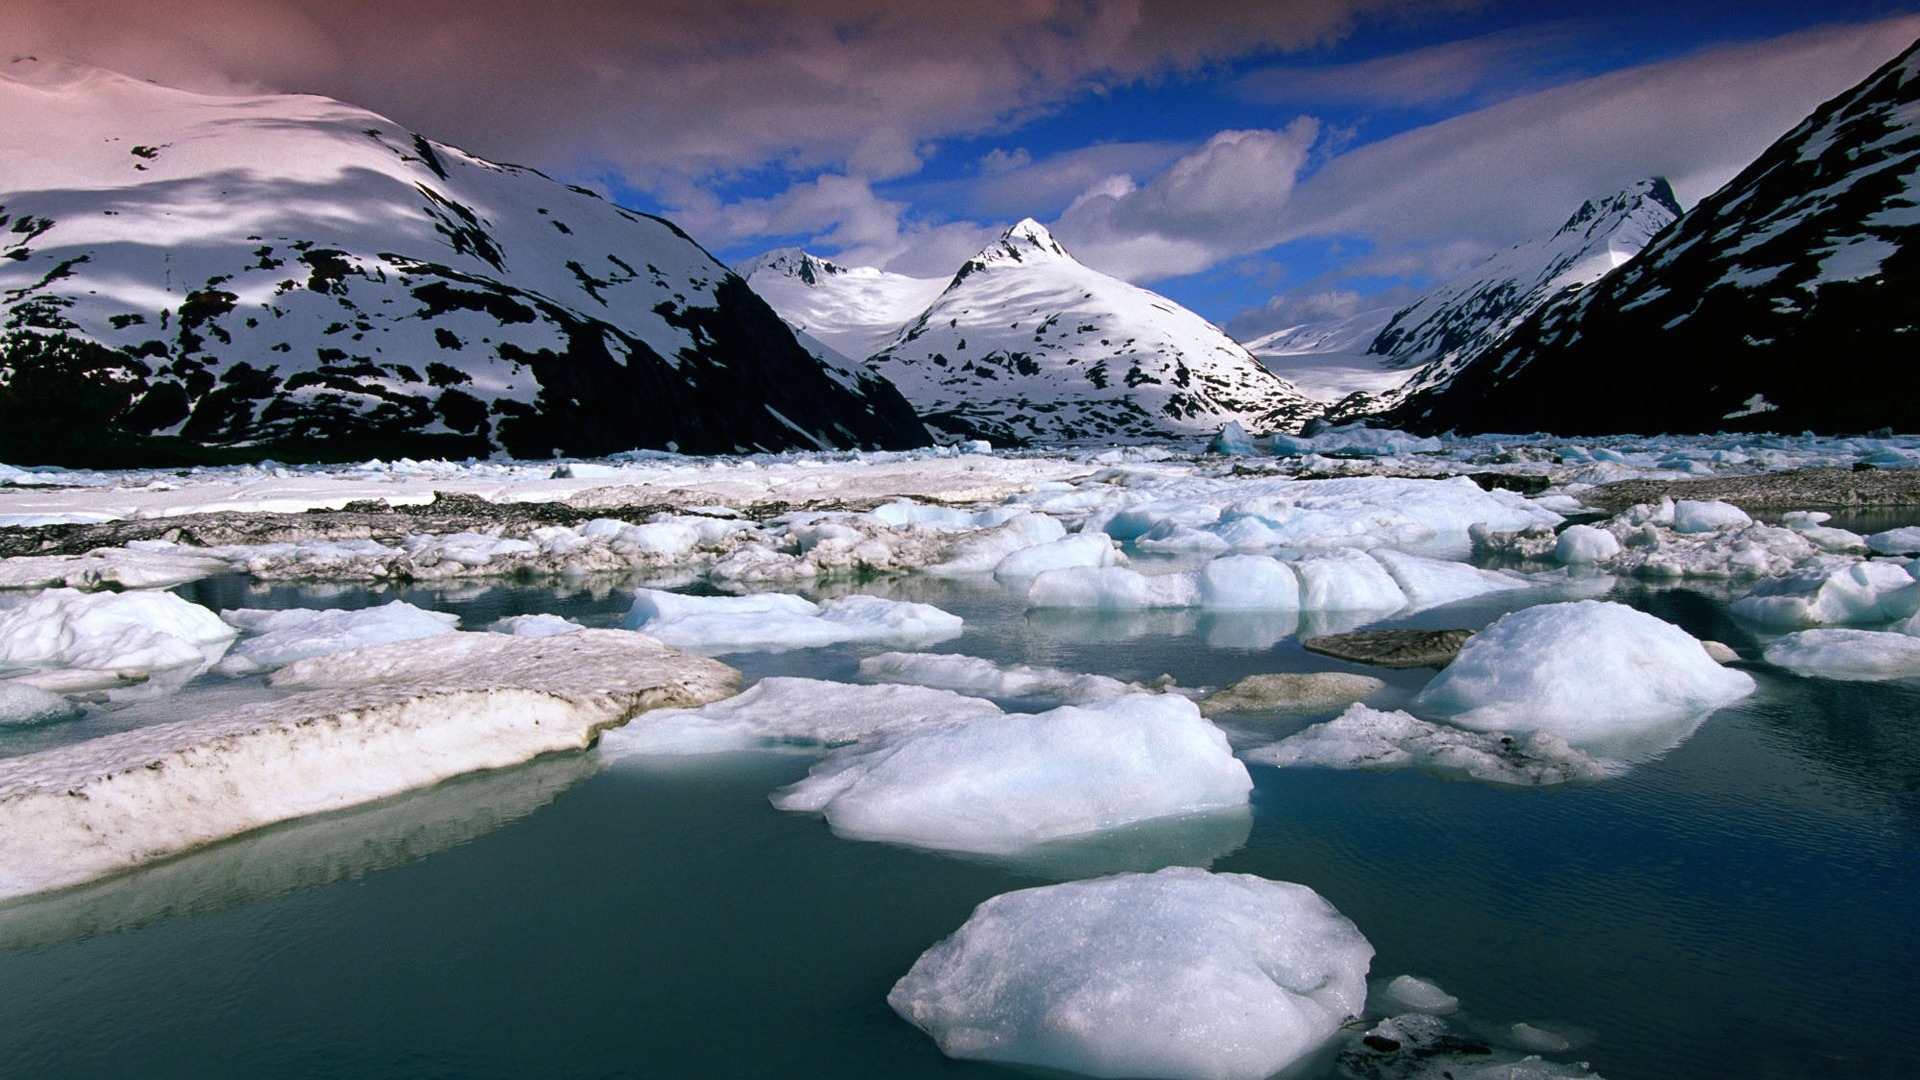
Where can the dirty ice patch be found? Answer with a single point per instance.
(1001, 784)
(1590, 672)
(285, 635)
(1851, 655)
(779, 621)
(1853, 593)
(784, 712)
(1181, 974)
(371, 723)
(1364, 738)
(112, 633)
(983, 678)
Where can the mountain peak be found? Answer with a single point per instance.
(1652, 195)
(790, 262)
(1027, 239)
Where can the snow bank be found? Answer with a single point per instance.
(285, 635)
(1858, 592)
(1363, 738)
(130, 632)
(1853, 655)
(782, 711)
(1585, 671)
(984, 678)
(373, 722)
(1180, 974)
(780, 621)
(1000, 784)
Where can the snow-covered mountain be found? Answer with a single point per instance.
(1327, 358)
(1028, 345)
(297, 276)
(856, 310)
(1784, 301)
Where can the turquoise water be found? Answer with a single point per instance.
(1742, 906)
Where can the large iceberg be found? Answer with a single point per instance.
(1585, 671)
(1180, 974)
(1000, 784)
(372, 723)
(772, 621)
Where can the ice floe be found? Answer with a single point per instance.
(22, 704)
(1586, 671)
(775, 621)
(1903, 541)
(1860, 592)
(1111, 588)
(1180, 974)
(1364, 738)
(373, 723)
(288, 634)
(1000, 784)
(785, 712)
(534, 625)
(1852, 655)
(113, 634)
(984, 678)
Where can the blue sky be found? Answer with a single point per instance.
(1257, 160)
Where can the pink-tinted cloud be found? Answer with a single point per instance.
(690, 86)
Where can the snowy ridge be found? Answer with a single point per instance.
(1781, 302)
(1028, 345)
(285, 270)
(855, 310)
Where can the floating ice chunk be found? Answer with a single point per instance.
(1422, 1046)
(1232, 440)
(1852, 655)
(1904, 541)
(22, 704)
(1810, 524)
(1080, 549)
(1003, 783)
(1584, 545)
(784, 712)
(1347, 581)
(1699, 516)
(775, 621)
(1111, 588)
(1421, 996)
(111, 632)
(534, 625)
(1587, 671)
(1857, 592)
(984, 678)
(981, 552)
(907, 512)
(1248, 583)
(1364, 738)
(290, 634)
(1180, 974)
(396, 717)
(1433, 582)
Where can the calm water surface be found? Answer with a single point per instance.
(1741, 906)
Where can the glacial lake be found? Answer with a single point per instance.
(1741, 905)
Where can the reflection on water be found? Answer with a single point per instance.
(299, 854)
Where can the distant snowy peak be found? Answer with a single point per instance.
(1474, 310)
(1327, 358)
(855, 310)
(294, 275)
(1027, 345)
(1784, 301)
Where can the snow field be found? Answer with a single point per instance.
(371, 723)
(1181, 974)
(1588, 671)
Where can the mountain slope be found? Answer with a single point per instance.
(293, 275)
(1028, 345)
(1327, 358)
(1784, 301)
(856, 310)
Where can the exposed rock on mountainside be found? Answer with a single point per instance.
(185, 276)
